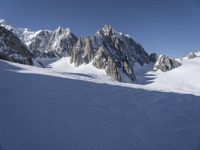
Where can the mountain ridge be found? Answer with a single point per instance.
(114, 52)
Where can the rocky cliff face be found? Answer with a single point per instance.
(62, 42)
(82, 52)
(48, 44)
(112, 51)
(38, 44)
(165, 63)
(12, 49)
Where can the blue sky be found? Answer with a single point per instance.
(165, 26)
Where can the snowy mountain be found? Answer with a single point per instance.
(12, 49)
(116, 53)
(109, 50)
(45, 43)
(164, 63)
(74, 101)
(24, 34)
(62, 42)
(52, 44)
(38, 43)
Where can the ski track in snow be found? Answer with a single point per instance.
(54, 108)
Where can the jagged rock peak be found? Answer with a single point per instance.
(109, 50)
(165, 63)
(61, 30)
(62, 41)
(107, 30)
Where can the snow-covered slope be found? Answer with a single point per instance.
(64, 66)
(45, 109)
(180, 80)
(183, 79)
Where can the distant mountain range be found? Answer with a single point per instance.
(107, 49)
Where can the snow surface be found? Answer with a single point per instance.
(48, 109)
(183, 79)
(63, 66)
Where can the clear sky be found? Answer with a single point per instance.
(165, 26)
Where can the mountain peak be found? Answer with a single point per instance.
(108, 29)
(61, 30)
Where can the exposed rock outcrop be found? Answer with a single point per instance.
(38, 44)
(12, 49)
(193, 55)
(112, 51)
(165, 63)
(52, 44)
(62, 42)
(82, 52)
